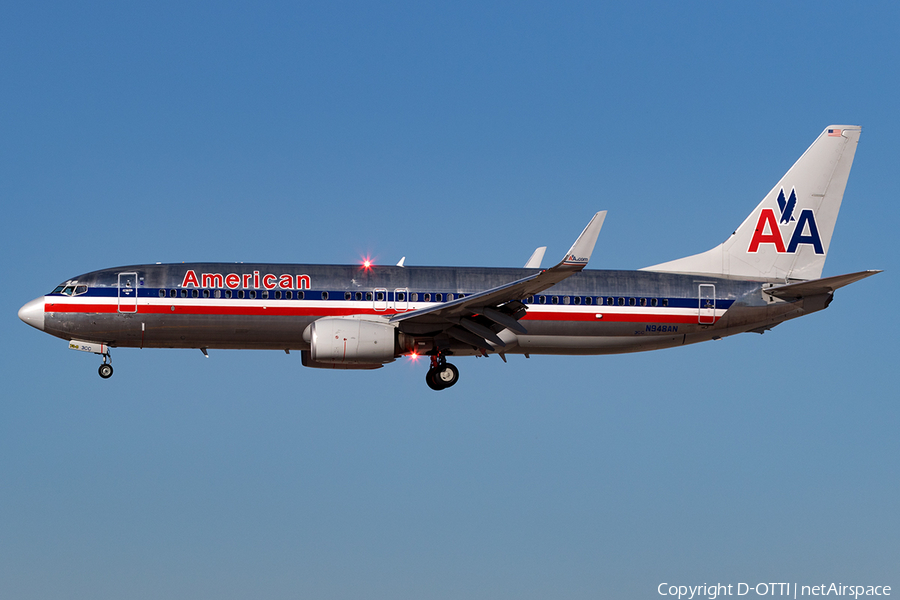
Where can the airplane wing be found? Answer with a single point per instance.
(498, 308)
(815, 287)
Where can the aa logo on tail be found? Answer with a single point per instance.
(768, 229)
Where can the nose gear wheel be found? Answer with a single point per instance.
(106, 369)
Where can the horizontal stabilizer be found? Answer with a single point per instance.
(815, 287)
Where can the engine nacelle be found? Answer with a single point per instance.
(351, 341)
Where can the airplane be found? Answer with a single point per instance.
(769, 270)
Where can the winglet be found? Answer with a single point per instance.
(580, 252)
(535, 261)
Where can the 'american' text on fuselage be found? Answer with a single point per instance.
(246, 280)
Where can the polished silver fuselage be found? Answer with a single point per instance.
(269, 306)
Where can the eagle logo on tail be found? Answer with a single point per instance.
(787, 206)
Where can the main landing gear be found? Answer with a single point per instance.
(106, 369)
(441, 374)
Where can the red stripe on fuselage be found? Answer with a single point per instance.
(311, 311)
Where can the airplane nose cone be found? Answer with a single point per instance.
(33, 313)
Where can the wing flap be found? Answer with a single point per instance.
(468, 337)
(503, 319)
(481, 331)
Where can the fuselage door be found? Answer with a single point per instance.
(380, 299)
(401, 299)
(707, 306)
(127, 292)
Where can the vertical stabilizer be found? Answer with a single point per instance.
(788, 234)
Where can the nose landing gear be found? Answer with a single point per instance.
(442, 374)
(106, 369)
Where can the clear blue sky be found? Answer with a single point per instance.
(466, 134)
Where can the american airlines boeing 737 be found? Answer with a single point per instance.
(350, 317)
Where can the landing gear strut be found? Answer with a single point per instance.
(106, 369)
(442, 374)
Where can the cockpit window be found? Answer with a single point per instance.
(68, 290)
(80, 289)
(58, 289)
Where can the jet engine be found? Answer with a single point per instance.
(350, 342)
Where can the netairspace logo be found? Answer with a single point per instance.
(794, 590)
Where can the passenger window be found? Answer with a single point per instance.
(173, 293)
(653, 302)
(610, 301)
(587, 299)
(415, 297)
(665, 301)
(324, 295)
(264, 294)
(218, 294)
(228, 294)
(206, 293)
(369, 296)
(449, 297)
(379, 296)
(542, 299)
(240, 294)
(162, 293)
(252, 294)
(643, 302)
(358, 296)
(348, 295)
(401, 297)
(621, 301)
(438, 298)
(184, 293)
(278, 294)
(631, 302)
(427, 297)
(301, 295)
(289, 295)
(565, 299)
